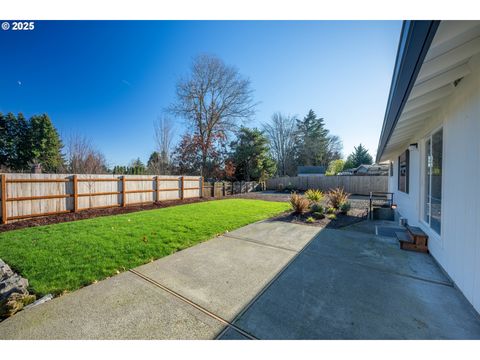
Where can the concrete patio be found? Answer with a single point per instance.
(268, 280)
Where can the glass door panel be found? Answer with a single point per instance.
(436, 182)
(428, 161)
(432, 212)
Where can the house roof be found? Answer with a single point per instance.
(432, 57)
(311, 169)
(415, 39)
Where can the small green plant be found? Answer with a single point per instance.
(331, 210)
(315, 196)
(345, 208)
(318, 215)
(332, 216)
(337, 197)
(290, 187)
(315, 207)
(299, 204)
(310, 220)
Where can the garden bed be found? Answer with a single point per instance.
(354, 216)
(93, 213)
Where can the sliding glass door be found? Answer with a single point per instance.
(433, 181)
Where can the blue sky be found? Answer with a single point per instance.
(110, 80)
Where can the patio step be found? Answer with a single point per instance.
(413, 239)
(403, 236)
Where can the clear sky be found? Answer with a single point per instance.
(110, 80)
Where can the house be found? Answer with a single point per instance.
(311, 170)
(431, 136)
(367, 170)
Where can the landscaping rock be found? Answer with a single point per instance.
(13, 291)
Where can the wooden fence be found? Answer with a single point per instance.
(352, 184)
(25, 196)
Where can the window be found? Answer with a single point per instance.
(403, 170)
(433, 181)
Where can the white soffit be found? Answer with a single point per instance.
(453, 46)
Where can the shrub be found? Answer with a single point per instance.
(332, 216)
(318, 215)
(290, 187)
(299, 204)
(337, 197)
(310, 220)
(315, 207)
(315, 196)
(345, 208)
(335, 167)
(331, 210)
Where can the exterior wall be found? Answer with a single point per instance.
(458, 248)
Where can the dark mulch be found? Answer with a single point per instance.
(342, 220)
(87, 214)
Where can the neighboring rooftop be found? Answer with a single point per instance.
(311, 170)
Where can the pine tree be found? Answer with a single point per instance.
(359, 156)
(251, 156)
(45, 144)
(312, 140)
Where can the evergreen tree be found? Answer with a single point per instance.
(250, 155)
(137, 167)
(24, 142)
(158, 163)
(359, 156)
(45, 144)
(312, 140)
(13, 137)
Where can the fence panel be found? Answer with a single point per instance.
(32, 195)
(353, 184)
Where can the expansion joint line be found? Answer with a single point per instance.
(258, 242)
(196, 306)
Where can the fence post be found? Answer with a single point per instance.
(4, 199)
(183, 189)
(75, 193)
(213, 189)
(224, 189)
(201, 186)
(157, 184)
(124, 192)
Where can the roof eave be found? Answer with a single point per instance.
(415, 40)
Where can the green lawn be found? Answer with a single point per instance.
(70, 255)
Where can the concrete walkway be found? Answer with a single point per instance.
(268, 280)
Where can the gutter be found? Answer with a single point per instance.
(415, 40)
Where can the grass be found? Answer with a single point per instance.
(64, 257)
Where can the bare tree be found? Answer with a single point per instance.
(334, 148)
(281, 133)
(214, 99)
(160, 160)
(83, 157)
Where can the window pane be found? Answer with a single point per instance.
(436, 184)
(403, 172)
